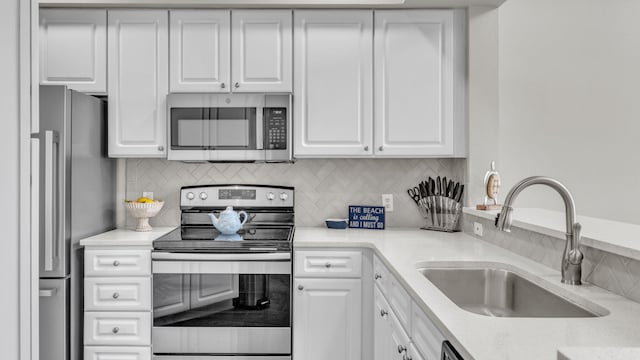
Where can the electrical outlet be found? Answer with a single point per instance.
(148, 194)
(387, 202)
(477, 228)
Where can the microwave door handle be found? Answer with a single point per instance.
(260, 128)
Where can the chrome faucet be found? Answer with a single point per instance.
(572, 256)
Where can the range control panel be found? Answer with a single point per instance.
(276, 128)
(236, 195)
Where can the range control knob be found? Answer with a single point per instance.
(284, 196)
(191, 196)
(271, 196)
(203, 196)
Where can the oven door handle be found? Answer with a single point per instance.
(221, 257)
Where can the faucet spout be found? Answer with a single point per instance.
(572, 256)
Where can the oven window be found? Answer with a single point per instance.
(232, 128)
(221, 300)
(189, 128)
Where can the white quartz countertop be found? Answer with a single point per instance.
(126, 237)
(481, 337)
(596, 353)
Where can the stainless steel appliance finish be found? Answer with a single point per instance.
(571, 267)
(449, 352)
(215, 296)
(74, 182)
(500, 293)
(229, 127)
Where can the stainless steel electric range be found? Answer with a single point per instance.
(214, 297)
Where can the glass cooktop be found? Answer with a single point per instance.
(208, 239)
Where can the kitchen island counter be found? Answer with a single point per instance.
(481, 337)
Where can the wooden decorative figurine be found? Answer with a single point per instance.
(492, 187)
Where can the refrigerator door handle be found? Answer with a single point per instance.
(48, 292)
(50, 174)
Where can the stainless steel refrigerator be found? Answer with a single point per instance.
(76, 191)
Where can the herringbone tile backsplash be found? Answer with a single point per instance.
(324, 187)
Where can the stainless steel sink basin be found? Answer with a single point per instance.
(500, 293)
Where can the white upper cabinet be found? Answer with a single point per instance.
(138, 82)
(230, 51)
(200, 48)
(73, 49)
(419, 83)
(262, 50)
(333, 63)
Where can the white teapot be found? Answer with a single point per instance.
(228, 222)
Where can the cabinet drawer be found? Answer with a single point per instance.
(380, 274)
(124, 294)
(117, 353)
(328, 263)
(117, 328)
(426, 337)
(117, 263)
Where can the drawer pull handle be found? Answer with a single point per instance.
(327, 265)
(401, 349)
(377, 276)
(116, 295)
(116, 262)
(383, 312)
(115, 330)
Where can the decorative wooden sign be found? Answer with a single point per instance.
(366, 217)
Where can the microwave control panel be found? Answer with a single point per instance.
(276, 128)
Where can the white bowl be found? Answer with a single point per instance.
(142, 212)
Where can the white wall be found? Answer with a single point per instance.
(9, 163)
(569, 90)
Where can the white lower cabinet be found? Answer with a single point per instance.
(327, 311)
(116, 353)
(392, 338)
(327, 319)
(117, 303)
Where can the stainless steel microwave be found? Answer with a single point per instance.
(229, 127)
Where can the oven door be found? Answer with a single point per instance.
(221, 304)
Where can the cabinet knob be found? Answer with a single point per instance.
(377, 276)
(237, 85)
(300, 287)
(327, 265)
(406, 357)
(115, 330)
(366, 148)
(383, 313)
(380, 148)
(401, 349)
(160, 148)
(116, 262)
(223, 85)
(115, 295)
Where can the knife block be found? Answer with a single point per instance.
(441, 213)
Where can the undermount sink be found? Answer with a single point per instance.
(498, 292)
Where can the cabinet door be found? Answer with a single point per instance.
(381, 327)
(399, 339)
(333, 93)
(138, 82)
(327, 319)
(414, 79)
(261, 51)
(200, 50)
(73, 49)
